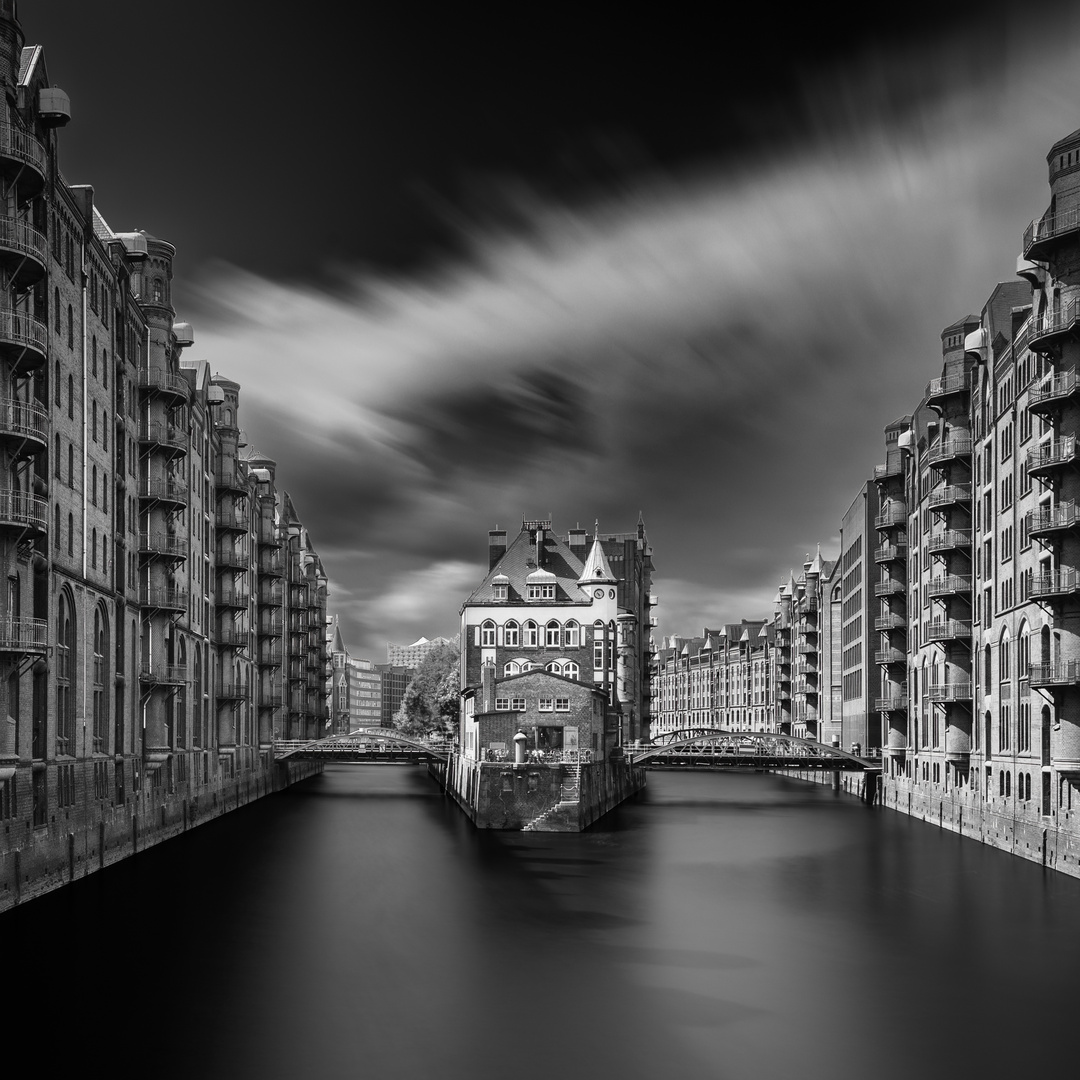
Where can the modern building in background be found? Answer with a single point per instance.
(367, 699)
(393, 682)
(163, 619)
(412, 656)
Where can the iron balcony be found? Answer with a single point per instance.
(890, 656)
(893, 466)
(22, 153)
(892, 702)
(1050, 231)
(891, 552)
(950, 539)
(1056, 583)
(163, 674)
(24, 340)
(948, 630)
(163, 436)
(233, 691)
(1045, 676)
(1058, 518)
(23, 511)
(950, 495)
(232, 596)
(890, 622)
(157, 380)
(892, 515)
(1053, 391)
(889, 587)
(947, 693)
(949, 585)
(163, 598)
(232, 637)
(24, 426)
(163, 490)
(161, 544)
(1053, 327)
(23, 636)
(1048, 456)
(938, 390)
(25, 249)
(951, 449)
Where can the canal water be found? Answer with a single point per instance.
(723, 925)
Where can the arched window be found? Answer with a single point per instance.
(93, 550)
(56, 320)
(93, 420)
(67, 668)
(572, 635)
(56, 380)
(554, 667)
(93, 485)
(196, 682)
(56, 456)
(511, 635)
(529, 635)
(1003, 658)
(487, 633)
(510, 668)
(1008, 783)
(105, 369)
(100, 702)
(552, 634)
(71, 328)
(71, 465)
(93, 356)
(71, 398)
(56, 526)
(571, 670)
(71, 534)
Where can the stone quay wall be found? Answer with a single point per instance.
(91, 835)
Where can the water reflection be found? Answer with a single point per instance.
(723, 926)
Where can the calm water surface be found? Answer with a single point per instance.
(741, 926)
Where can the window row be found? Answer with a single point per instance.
(544, 704)
(566, 668)
(527, 635)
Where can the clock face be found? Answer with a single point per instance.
(599, 594)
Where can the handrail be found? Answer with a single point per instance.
(22, 418)
(21, 145)
(19, 235)
(22, 508)
(23, 635)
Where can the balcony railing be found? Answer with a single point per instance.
(166, 674)
(1053, 325)
(1055, 583)
(21, 146)
(890, 656)
(950, 538)
(890, 622)
(949, 585)
(21, 510)
(947, 386)
(889, 587)
(1043, 233)
(233, 556)
(162, 434)
(1053, 390)
(233, 691)
(891, 552)
(949, 692)
(1051, 455)
(949, 449)
(163, 597)
(26, 242)
(893, 514)
(232, 637)
(1051, 519)
(230, 518)
(162, 544)
(894, 701)
(21, 420)
(894, 466)
(948, 630)
(23, 635)
(950, 495)
(233, 596)
(1066, 673)
(21, 331)
(158, 380)
(172, 491)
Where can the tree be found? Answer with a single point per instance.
(430, 703)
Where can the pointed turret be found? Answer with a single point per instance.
(597, 569)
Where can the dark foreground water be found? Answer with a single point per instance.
(740, 926)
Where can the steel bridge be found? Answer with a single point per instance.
(718, 748)
(369, 744)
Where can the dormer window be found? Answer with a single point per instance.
(541, 592)
(498, 592)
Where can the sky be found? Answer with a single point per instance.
(473, 270)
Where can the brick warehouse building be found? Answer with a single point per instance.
(560, 604)
(164, 614)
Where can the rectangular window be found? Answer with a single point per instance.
(547, 704)
(502, 704)
(518, 704)
(562, 704)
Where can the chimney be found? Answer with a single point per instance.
(579, 543)
(487, 685)
(496, 547)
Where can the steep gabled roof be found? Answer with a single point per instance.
(518, 565)
(597, 568)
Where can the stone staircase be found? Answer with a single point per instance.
(564, 815)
